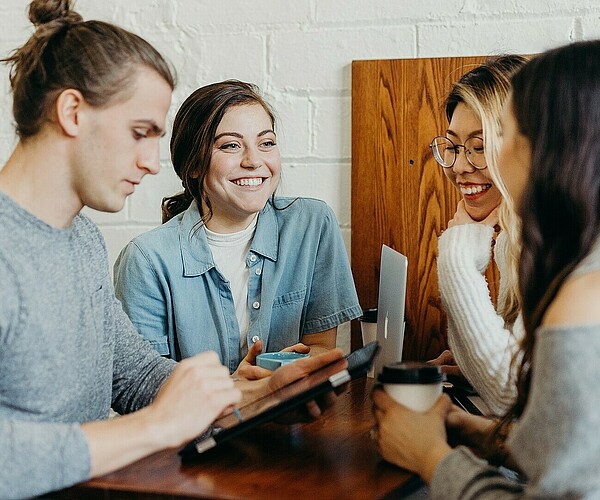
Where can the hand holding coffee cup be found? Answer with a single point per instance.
(413, 384)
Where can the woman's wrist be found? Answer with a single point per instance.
(432, 460)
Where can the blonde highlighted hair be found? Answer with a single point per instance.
(484, 90)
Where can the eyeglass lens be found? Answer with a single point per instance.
(445, 151)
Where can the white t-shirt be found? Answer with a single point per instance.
(229, 253)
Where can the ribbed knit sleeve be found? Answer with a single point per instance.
(553, 442)
(481, 344)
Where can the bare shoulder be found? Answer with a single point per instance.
(576, 302)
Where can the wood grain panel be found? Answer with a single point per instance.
(400, 195)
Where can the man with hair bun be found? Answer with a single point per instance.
(90, 101)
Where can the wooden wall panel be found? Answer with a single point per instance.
(400, 196)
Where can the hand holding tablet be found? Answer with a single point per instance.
(287, 389)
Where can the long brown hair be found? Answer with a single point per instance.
(193, 136)
(556, 103)
(94, 57)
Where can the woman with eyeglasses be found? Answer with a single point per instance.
(482, 337)
(550, 163)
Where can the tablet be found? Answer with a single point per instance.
(277, 403)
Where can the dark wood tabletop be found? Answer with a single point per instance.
(331, 457)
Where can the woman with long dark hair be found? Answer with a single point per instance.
(550, 163)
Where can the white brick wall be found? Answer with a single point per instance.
(300, 53)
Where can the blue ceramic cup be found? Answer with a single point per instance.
(273, 360)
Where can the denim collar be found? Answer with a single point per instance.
(195, 253)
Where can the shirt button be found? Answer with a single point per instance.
(256, 304)
(258, 271)
(255, 339)
(253, 258)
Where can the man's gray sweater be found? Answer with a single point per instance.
(68, 352)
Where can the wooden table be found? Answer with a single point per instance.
(332, 457)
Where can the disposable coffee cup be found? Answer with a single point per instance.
(415, 385)
(368, 328)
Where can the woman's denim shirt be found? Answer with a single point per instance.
(300, 283)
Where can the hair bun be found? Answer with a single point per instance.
(46, 11)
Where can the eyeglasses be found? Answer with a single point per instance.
(445, 151)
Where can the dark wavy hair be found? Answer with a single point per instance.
(193, 136)
(556, 103)
(94, 57)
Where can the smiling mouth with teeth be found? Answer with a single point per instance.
(474, 189)
(249, 181)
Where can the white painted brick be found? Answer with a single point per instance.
(300, 54)
(108, 219)
(241, 57)
(342, 11)
(19, 28)
(7, 126)
(346, 238)
(144, 204)
(320, 60)
(293, 120)
(332, 127)
(482, 38)
(328, 182)
(7, 144)
(101, 11)
(523, 9)
(117, 237)
(590, 27)
(200, 13)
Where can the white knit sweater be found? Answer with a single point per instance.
(482, 344)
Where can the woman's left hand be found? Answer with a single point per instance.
(247, 368)
(412, 440)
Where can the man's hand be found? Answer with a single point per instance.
(196, 393)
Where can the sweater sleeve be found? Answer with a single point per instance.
(461, 475)
(40, 457)
(553, 442)
(481, 344)
(139, 371)
(36, 457)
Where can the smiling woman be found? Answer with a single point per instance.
(235, 269)
(482, 337)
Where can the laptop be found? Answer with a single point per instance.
(390, 328)
(390, 307)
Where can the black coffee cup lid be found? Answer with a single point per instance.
(410, 372)
(369, 315)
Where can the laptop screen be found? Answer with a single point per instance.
(390, 307)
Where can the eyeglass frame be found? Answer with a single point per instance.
(455, 151)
